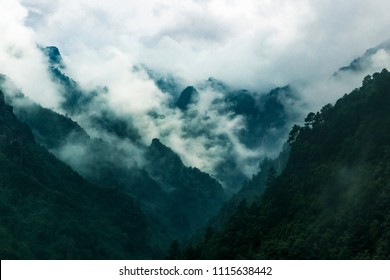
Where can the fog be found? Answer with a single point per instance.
(255, 45)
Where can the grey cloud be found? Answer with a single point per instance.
(197, 28)
(251, 43)
(248, 44)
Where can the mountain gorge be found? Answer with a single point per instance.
(106, 149)
(87, 180)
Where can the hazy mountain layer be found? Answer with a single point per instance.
(177, 199)
(227, 131)
(50, 212)
(333, 199)
(378, 56)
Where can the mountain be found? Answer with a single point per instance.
(49, 212)
(163, 186)
(366, 61)
(253, 120)
(135, 195)
(188, 96)
(252, 189)
(196, 195)
(54, 57)
(265, 120)
(266, 117)
(332, 201)
(258, 121)
(167, 83)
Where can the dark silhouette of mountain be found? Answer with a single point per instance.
(216, 85)
(74, 98)
(54, 56)
(326, 195)
(76, 101)
(363, 63)
(195, 196)
(267, 117)
(177, 200)
(264, 119)
(332, 201)
(252, 189)
(49, 212)
(188, 96)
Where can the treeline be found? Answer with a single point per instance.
(49, 212)
(332, 201)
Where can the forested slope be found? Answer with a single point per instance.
(333, 199)
(49, 212)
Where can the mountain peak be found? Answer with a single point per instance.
(159, 150)
(156, 143)
(217, 84)
(54, 56)
(364, 61)
(188, 96)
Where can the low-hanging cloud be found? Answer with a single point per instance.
(248, 44)
(20, 58)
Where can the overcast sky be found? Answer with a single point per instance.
(245, 42)
(253, 44)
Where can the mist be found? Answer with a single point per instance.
(250, 44)
(255, 45)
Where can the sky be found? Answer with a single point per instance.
(252, 44)
(256, 44)
(246, 42)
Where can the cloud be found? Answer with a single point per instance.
(315, 93)
(248, 44)
(20, 59)
(251, 43)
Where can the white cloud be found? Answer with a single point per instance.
(20, 58)
(249, 44)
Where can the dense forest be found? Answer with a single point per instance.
(332, 201)
(176, 200)
(49, 212)
(326, 196)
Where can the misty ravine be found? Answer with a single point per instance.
(194, 130)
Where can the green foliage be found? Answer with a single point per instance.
(333, 199)
(176, 201)
(50, 212)
(174, 251)
(50, 128)
(194, 196)
(252, 189)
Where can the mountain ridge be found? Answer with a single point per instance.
(332, 199)
(56, 214)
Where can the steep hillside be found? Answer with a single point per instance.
(50, 212)
(194, 195)
(176, 199)
(260, 121)
(333, 199)
(251, 190)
